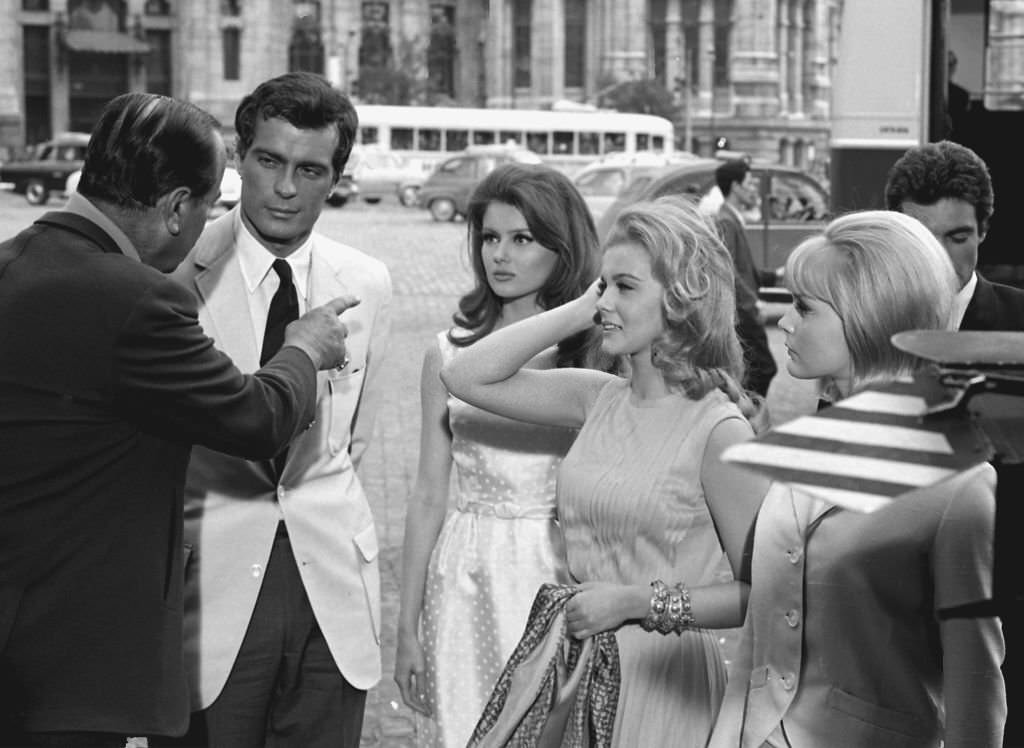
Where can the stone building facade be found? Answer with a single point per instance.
(754, 72)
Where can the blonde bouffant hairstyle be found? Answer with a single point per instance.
(699, 350)
(882, 272)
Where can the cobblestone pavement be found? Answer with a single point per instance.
(429, 271)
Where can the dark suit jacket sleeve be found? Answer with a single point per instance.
(756, 353)
(169, 378)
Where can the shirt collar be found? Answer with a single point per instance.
(962, 299)
(256, 260)
(82, 206)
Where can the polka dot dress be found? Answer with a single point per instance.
(498, 545)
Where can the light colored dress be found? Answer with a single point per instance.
(498, 545)
(633, 510)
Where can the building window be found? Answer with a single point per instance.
(723, 28)
(231, 7)
(658, 30)
(232, 43)
(158, 8)
(306, 51)
(158, 62)
(575, 42)
(375, 43)
(36, 51)
(35, 4)
(441, 50)
(521, 38)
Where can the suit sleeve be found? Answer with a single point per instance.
(756, 353)
(169, 378)
(972, 648)
(373, 390)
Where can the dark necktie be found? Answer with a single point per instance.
(284, 308)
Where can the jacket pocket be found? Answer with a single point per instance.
(343, 391)
(883, 718)
(368, 551)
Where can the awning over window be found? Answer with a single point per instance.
(112, 42)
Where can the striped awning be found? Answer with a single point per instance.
(868, 449)
(109, 42)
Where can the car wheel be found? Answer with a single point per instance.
(36, 192)
(442, 209)
(336, 200)
(409, 196)
(372, 200)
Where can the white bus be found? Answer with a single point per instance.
(566, 140)
(959, 75)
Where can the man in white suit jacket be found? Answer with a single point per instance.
(282, 601)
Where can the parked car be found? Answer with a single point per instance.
(346, 189)
(49, 167)
(381, 174)
(230, 187)
(601, 182)
(793, 204)
(445, 193)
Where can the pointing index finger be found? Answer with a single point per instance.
(341, 303)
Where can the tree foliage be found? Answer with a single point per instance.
(643, 95)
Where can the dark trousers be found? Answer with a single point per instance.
(284, 689)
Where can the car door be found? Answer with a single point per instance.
(793, 207)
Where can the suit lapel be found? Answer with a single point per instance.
(227, 310)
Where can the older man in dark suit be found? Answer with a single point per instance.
(106, 380)
(947, 187)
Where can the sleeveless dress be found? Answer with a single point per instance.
(632, 510)
(499, 543)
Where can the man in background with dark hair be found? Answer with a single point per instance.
(282, 613)
(947, 187)
(739, 191)
(106, 380)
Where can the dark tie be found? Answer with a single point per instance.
(284, 308)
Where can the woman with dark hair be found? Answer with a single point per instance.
(645, 503)
(468, 581)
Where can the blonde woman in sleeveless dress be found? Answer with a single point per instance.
(645, 504)
(470, 577)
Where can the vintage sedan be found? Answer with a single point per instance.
(793, 204)
(47, 170)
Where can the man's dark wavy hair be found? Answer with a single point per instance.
(730, 173)
(934, 171)
(559, 220)
(306, 101)
(146, 145)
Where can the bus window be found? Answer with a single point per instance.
(510, 137)
(369, 135)
(483, 137)
(643, 141)
(537, 142)
(590, 143)
(658, 143)
(563, 142)
(456, 140)
(401, 139)
(614, 141)
(430, 139)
